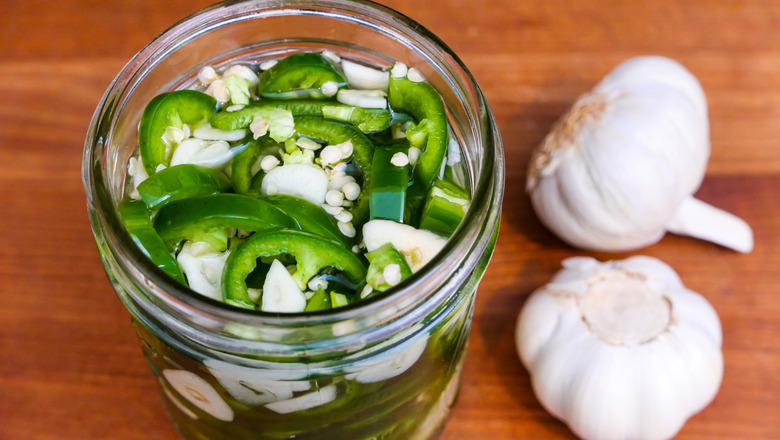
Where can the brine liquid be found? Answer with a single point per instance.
(402, 394)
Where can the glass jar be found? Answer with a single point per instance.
(385, 368)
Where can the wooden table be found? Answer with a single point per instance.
(71, 367)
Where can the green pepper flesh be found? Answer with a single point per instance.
(333, 132)
(380, 258)
(302, 72)
(171, 109)
(311, 252)
(388, 184)
(422, 102)
(198, 217)
(139, 225)
(181, 182)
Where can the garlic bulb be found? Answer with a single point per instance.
(620, 350)
(619, 169)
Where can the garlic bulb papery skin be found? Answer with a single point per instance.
(620, 350)
(619, 169)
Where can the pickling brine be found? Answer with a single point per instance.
(405, 391)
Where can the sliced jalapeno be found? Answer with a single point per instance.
(333, 132)
(367, 120)
(310, 217)
(244, 117)
(138, 223)
(389, 182)
(242, 174)
(179, 182)
(423, 103)
(339, 300)
(379, 260)
(172, 109)
(444, 209)
(300, 75)
(319, 301)
(312, 253)
(197, 218)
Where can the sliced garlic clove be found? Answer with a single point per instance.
(281, 294)
(199, 393)
(698, 219)
(300, 180)
(255, 386)
(178, 403)
(391, 364)
(418, 244)
(360, 76)
(307, 401)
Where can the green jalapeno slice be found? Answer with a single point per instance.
(367, 120)
(423, 103)
(198, 218)
(310, 217)
(379, 259)
(245, 179)
(300, 75)
(139, 225)
(180, 182)
(333, 132)
(172, 109)
(444, 208)
(387, 196)
(312, 254)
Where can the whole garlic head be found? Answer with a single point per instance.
(619, 169)
(620, 350)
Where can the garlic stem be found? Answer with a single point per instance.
(701, 220)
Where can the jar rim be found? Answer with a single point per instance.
(472, 236)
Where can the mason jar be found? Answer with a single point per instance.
(388, 367)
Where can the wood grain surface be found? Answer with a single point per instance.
(71, 367)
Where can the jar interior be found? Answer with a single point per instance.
(388, 369)
(238, 33)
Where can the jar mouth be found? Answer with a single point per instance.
(472, 238)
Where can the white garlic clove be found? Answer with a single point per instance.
(391, 364)
(203, 268)
(418, 245)
(199, 393)
(311, 400)
(255, 386)
(615, 171)
(308, 182)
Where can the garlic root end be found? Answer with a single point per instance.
(697, 219)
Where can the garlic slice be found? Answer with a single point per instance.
(390, 364)
(308, 182)
(199, 393)
(619, 169)
(256, 386)
(311, 400)
(417, 245)
(621, 350)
